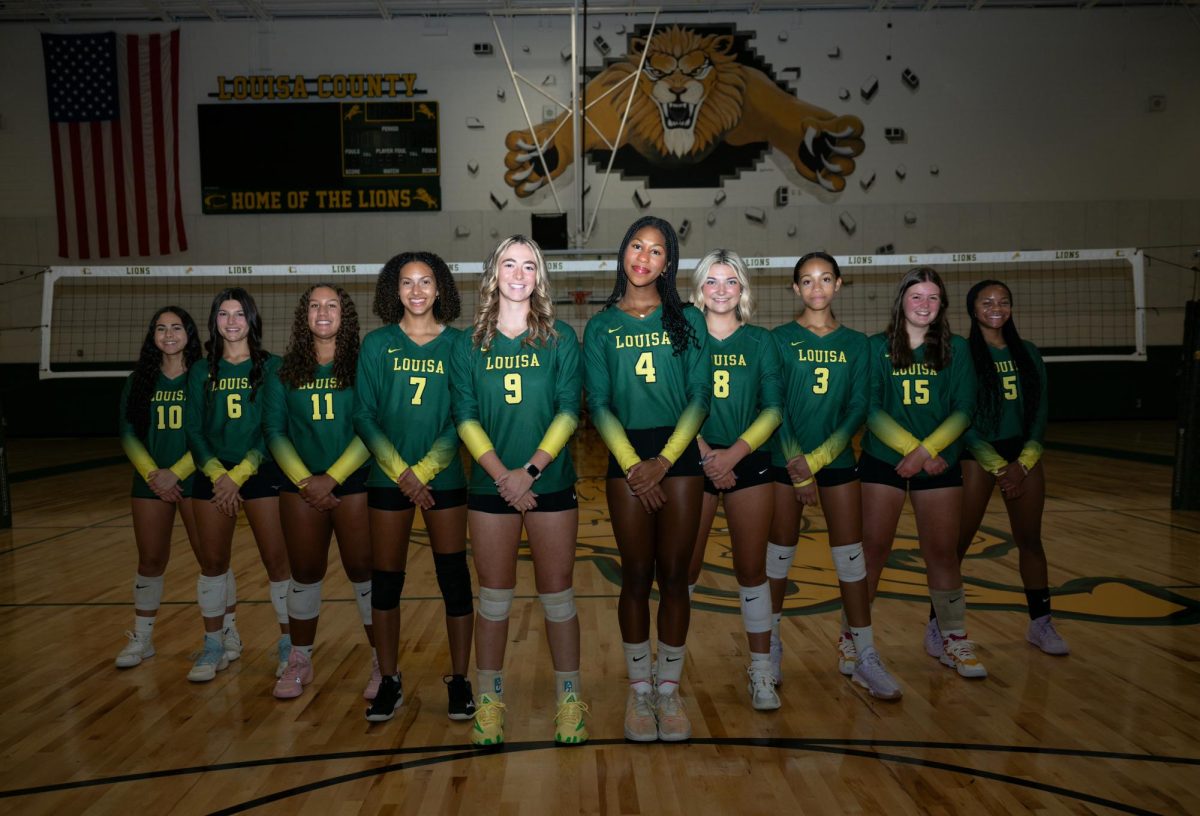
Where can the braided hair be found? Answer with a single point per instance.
(677, 327)
(988, 406)
(215, 345)
(149, 365)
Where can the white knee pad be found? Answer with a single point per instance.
(779, 560)
(559, 607)
(362, 597)
(756, 608)
(230, 588)
(494, 603)
(304, 601)
(210, 593)
(279, 599)
(850, 563)
(147, 593)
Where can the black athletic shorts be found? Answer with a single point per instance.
(753, 470)
(391, 498)
(355, 483)
(826, 477)
(877, 471)
(1009, 449)
(262, 485)
(649, 442)
(546, 502)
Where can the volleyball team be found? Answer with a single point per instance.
(695, 404)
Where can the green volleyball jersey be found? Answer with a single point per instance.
(310, 429)
(746, 391)
(402, 408)
(917, 405)
(825, 393)
(1012, 414)
(223, 418)
(634, 380)
(165, 445)
(516, 398)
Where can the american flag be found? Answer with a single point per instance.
(114, 133)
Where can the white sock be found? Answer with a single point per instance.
(304, 650)
(637, 665)
(279, 593)
(143, 626)
(490, 682)
(864, 638)
(670, 667)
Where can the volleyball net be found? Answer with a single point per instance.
(1075, 304)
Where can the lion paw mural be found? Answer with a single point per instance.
(704, 108)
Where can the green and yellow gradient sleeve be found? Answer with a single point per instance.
(466, 403)
(599, 395)
(184, 466)
(891, 433)
(193, 422)
(1031, 454)
(567, 389)
(275, 424)
(853, 413)
(697, 366)
(944, 435)
(444, 449)
(986, 455)
(770, 396)
(137, 453)
(368, 386)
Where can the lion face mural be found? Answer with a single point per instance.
(692, 96)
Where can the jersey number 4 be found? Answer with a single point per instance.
(645, 367)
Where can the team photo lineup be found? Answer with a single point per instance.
(347, 436)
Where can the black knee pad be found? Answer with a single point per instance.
(385, 589)
(454, 579)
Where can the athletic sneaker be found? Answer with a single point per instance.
(296, 675)
(776, 658)
(209, 660)
(570, 723)
(640, 725)
(233, 643)
(871, 674)
(387, 700)
(462, 702)
(959, 654)
(673, 722)
(285, 648)
(1041, 633)
(489, 722)
(763, 696)
(373, 683)
(847, 654)
(933, 639)
(136, 650)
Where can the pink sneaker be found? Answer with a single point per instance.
(296, 675)
(373, 683)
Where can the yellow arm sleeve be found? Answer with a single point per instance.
(213, 469)
(138, 455)
(943, 435)
(475, 438)
(987, 457)
(1031, 454)
(892, 433)
(685, 431)
(246, 468)
(558, 434)
(444, 449)
(184, 467)
(353, 457)
(288, 459)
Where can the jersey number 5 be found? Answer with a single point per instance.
(916, 392)
(1010, 387)
(645, 366)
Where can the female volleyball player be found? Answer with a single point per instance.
(402, 413)
(922, 398)
(516, 401)
(743, 413)
(308, 419)
(1004, 444)
(649, 378)
(153, 439)
(223, 418)
(825, 373)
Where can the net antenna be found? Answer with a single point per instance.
(1074, 304)
(572, 107)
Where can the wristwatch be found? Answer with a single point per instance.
(533, 470)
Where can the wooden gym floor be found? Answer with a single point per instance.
(1111, 728)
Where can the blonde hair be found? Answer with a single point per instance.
(541, 306)
(745, 305)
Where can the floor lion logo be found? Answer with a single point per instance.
(704, 107)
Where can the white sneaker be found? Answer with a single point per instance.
(933, 639)
(136, 650)
(210, 660)
(763, 696)
(847, 654)
(673, 722)
(640, 724)
(1041, 633)
(959, 654)
(870, 673)
(776, 658)
(233, 643)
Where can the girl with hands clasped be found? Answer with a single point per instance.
(743, 413)
(308, 419)
(921, 400)
(516, 384)
(649, 380)
(152, 437)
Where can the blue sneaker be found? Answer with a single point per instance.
(285, 651)
(209, 660)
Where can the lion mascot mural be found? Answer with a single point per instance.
(693, 95)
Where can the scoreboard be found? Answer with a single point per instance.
(319, 157)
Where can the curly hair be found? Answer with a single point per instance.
(744, 309)
(937, 336)
(541, 306)
(149, 365)
(387, 288)
(300, 360)
(987, 408)
(678, 329)
(215, 345)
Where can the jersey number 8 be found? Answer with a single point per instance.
(720, 383)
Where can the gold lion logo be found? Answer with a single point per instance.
(691, 95)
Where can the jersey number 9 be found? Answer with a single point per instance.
(512, 385)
